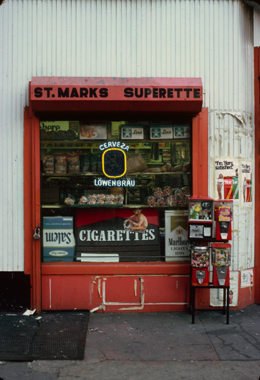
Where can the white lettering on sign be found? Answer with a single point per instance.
(115, 235)
(114, 144)
(114, 183)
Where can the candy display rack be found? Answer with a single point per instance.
(202, 238)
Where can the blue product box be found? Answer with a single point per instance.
(58, 239)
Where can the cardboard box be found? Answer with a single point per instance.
(58, 239)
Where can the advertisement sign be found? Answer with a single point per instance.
(176, 235)
(246, 180)
(58, 239)
(161, 133)
(247, 278)
(93, 132)
(131, 233)
(132, 133)
(226, 179)
(181, 131)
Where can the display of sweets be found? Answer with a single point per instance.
(119, 198)
(110, 199)
(91, 202)
(158, 192)
(83, 200)
(221, 257)
(69, 201)
(151, 201)
(101, 198)
(160, 201)
(93, 197)
(171, 201)
(167, 191)
(200, 257)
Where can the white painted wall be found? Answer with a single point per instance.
(129, 38)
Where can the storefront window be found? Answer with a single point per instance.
(92, 216)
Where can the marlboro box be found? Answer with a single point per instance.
(58, 239)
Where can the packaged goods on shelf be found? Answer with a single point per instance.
(73, 163)
(60, 163)
(48, 164)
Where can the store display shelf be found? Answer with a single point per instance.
(156, 173)
(99, 174)
(127, 142)
(115, 205)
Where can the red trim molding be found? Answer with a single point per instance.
(257, 173)
(200, 154)
(116, 269)
(32, 205)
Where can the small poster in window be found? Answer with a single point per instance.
(176, 235)
(246, 180)
(226, 184)
(93, 132)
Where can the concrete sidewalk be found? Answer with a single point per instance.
(158, 345)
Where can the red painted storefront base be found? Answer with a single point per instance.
(146, 288)
(149, 287)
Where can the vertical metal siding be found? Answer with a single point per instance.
(129, 38)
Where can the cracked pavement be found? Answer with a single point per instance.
(155, 345)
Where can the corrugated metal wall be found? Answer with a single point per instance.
(130, 38)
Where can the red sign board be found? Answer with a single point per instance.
(78, 94)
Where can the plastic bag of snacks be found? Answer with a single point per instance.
(83, 200)
(171, 201)
(60, 163)
(48, 163)
(69, 200)
(167, 191)
(151, 200)
(73, 163)
(158, 192)
(110, 199)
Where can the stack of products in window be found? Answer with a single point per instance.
(200, 263)
(167, 196)
(72, 163)
(96, 199)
